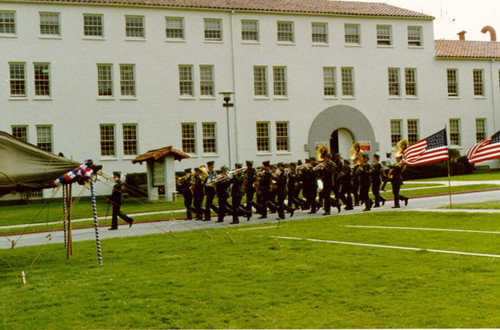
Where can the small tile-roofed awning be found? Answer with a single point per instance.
(158, 154)
(461, 49)
(323, 7)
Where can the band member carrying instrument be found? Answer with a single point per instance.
(346, 185)
(249, 179)
(336, 180)
(281, 190)
(310, 184)
(292, 184)
(326, 172)
(397, 181)
(222, 185)
(377, 173)
(356, 155)
(364, 180)
(184, 183)
(116, 200)
(265, 177)
(197, 187)
(209, 190)
(236, 192)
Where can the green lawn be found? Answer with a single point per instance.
(485, 176)
(253, 281)
(489, 205)
(438, 190)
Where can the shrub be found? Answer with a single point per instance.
(469, 168)
(136, 184)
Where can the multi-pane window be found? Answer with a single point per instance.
(415, 36)
(129, 139)
(393, 80)
(49, 24)
(107, 140)
(282, 136)
(329, 82)
(213, 29)
(452, 82)
(209, 138)
(285, 32)
(319, 33)
(384, 35)
(352, 34)
(93, 26)
(260, 80)
(104, 80)
(44, 137)
(411, 81)
(207, 80)
(20, 132)
(396, 131)
(279, 81)
(174, 28)
(347, 81)
(186, 80)
(412, 131)
(263, 137)
(127, 79)
(478, 82)
(134, 26)
(480, 129)
(250, 30)
(42, 79)
(17, 79)
(455, 132)
(7, 22)
(188, 138)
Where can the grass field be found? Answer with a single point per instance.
(489, 205)
(253, 281)
(485, 176)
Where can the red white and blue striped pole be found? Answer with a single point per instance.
(65, 216)
(96, 224)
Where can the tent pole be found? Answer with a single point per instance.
(65, 217)
(96, 223)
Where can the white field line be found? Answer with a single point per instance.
(434, 229)
(391, 247)
(257, 228)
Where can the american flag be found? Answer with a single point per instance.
(485, 150)
(429, 150)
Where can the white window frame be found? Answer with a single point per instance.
(261, 88)
(396, 126)
(105, 83)
(17, 79)
(480, 129)
(452, 83)
(261, 138)
(478, 84)
(43, 138)
(319, 37)
(209, 133)
(212, 33)
(283, 140)
(5, 25)
(411, 89)
(285, 36)
(415, 39)
(247, 34)
(347, 84)
(174, 29)
(97, 28)
(42, 83)
(133, 29)
(413, 129)
(16, 134)
(280, 85)
(207, 81)
(50, 25)
(188, 139)
(330, 82)
(455, 132)
(384, 35)
(127, 82)
(130, 139)
(350, 38)
(394, 82)
(186, 81)
(107, 142)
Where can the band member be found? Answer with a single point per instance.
(397, 180)
(209, 190)
(236, 193)
(249, 179)
(281, 190)
(310, 180)
(292, 184)
(117, 200)
(271, 203)
(265, 178)
(197, 186)
(184, 183)
(222, 195)
(356, 181)
(336, 181)
(346, 185)
(377, 173)
(364, 183)
(327, 178)
(386, 165)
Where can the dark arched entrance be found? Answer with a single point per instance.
(341, 141)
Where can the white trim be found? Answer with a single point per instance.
(416, 228)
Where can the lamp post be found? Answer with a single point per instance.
(227, 105)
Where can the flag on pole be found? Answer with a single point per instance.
(485, 150)
(429, 150)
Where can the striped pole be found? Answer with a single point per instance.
(64, 218)
(96, 224)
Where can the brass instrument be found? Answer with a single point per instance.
(321, 152)
(216, 179)
(236, 171)
(320, 166)
(303, 166)
(356, 153)
(204, 173)
(400, 148)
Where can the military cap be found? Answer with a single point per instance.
(336, 154)
(299, 162)
(329, 155)
(224, 168)
(197, 169)
(312, 159)
(293, 164)
(238, 165)
(376, 156)
(366, 156)
(210, 163)
(187, 170)
(249, 162)
(266, 163)
(117, 173)
(88, 161)
(280, 164)
(273, 166)
(346, 161)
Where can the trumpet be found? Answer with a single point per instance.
(236, 171)
(320, 166)
(303, 166)
(216, 179)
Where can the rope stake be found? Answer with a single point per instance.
(96, 223)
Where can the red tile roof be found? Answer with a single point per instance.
(467, 49)
(325, 7)
(158, 154)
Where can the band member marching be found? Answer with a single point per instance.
(236, 192)
(292, 186)
(346, 185)
(377, 173)
(310, 184)
(265, 178)
(281, 191)
(336, 177)
(222, 186)
(209, 190)
(116, 200)
(397, 180)
(249, 179)
(364, 183)
(197, 187)
(184, 183)
(326, 173)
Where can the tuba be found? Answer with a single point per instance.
(400, 148)
(356, 153)
(321, 152)
(204, 173)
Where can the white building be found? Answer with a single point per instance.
(111, 79)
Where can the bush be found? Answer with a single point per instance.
(135, 184)
(433, 170)
(469, 168)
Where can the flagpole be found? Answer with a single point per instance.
(449, 172)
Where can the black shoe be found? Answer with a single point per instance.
(263, 217)
(383, 202)
(396, 207)
(248, 217)
(291, 213)
(338, 208)
(326, 213)
(219, 221)
(311, 212)
(376, 206)
(112, 228)
(364, 210)
(130, 223)
(349, 208)
(280, 218)
(234, 222)
(406, 201)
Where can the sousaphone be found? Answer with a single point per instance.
(321, 152)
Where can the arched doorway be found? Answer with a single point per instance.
(341, 141)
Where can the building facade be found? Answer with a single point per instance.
(109, 80)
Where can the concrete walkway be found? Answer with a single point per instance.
(415, 204)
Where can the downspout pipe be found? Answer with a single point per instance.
(235, 109)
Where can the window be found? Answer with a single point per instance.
(329, 83)
(320, 33)
(452, 78)
(347, 81)
(455, 132)
(209, 138)
(480, 129)
(42, 79)
(17, 80)
(285, 32)
(260, 80)
(263, 137)
(7, 22)
(20, 132)
(107, 140)
(49, 24)
(393, 75)
(411, 82)
(207, 80)
(44, 137)
(174, 28)
(93, 26)
(104, 80)
(134, 27)
(478, 82)
(412, 131)
(127, 79)
(250, 30)
(384, 35)
(415, 36)
(282, 136)
(213, 29)
(129, 139)
(188, 138)
(186, 80)
(396, 133)
(279, 81)
(352, 34)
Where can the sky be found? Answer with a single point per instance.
(453, 16)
